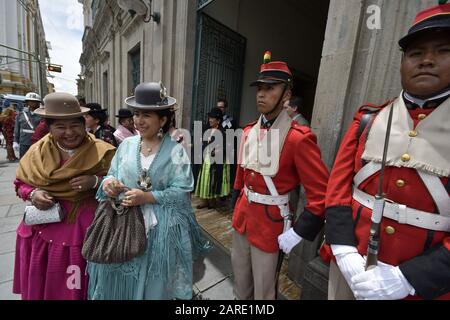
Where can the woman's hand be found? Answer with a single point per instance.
(82, 183)
(113, 187)
(42, 200)
(136, 197)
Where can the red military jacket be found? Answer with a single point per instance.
(423, 255)
(300, 163)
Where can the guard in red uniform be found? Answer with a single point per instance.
(276, 155)
(414, 242)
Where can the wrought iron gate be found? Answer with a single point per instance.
(219, 66)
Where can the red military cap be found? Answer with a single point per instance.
(431, 19)
(273, 72)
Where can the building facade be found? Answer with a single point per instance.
(23, 48)
(343, 53)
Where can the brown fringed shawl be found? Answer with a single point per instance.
(41, 168)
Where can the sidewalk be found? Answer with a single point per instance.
(212, 274)
(11, 212)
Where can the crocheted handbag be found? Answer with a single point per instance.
(117, 234)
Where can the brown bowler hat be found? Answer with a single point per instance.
(60, 105)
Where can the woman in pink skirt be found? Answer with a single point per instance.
(66, 167)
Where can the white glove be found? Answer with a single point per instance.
(16, 147)
(349, 261)
(384, 282)
(288, 240)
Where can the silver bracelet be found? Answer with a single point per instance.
(96, 182)
(32, 195)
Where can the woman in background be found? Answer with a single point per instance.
(213, 181)
(8, 119)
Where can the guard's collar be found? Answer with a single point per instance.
(267, 124)
(433, 102)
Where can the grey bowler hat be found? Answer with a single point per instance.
(60, 105)
(151, 96)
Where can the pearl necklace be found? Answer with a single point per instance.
(70, 152)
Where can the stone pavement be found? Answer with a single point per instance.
(11, 212)
(212, 274)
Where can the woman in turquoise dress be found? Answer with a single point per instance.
(155, 163)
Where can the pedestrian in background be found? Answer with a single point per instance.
(213, 181)
(8, 119)
(95, 123)
(65, 167)
(293, 107)
(26, 122)
(126, 127)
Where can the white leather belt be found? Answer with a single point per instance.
(27, 131)
(404, 215)
(266, 199)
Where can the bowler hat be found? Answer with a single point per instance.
(151, 96)
(124, 113)
(431, 19)
(97, 112)
(273, 72)
(61, 105)
(215, 113)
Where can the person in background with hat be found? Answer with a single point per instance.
(414, 236)
(126, 127)
(65, 166)
(95, 123)
(276, 155)
(26, 123)
(152, 171)
(213, 180)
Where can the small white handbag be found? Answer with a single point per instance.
(34, 216)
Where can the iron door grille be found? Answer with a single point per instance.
(220, 59)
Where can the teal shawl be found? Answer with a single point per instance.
(165, 271)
